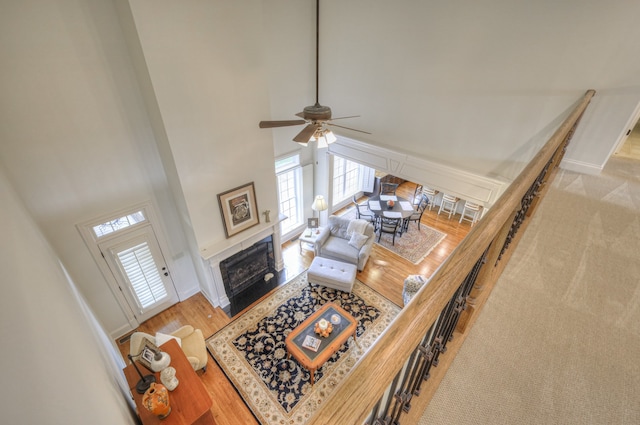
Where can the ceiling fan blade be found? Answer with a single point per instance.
(300, 114)
(305, 135)
(341, 118)
(271, 124)
(348, 128)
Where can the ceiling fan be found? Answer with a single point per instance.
(317, 117)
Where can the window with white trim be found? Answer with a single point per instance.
(348, 179)
(289, 176)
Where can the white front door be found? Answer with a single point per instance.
(137, 263)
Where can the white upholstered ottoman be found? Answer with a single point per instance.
(331, 273)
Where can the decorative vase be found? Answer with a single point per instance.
(156, 400)
(390, 204)
(168, 378)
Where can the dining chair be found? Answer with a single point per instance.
(417, 215)
(388, 188)
(448, 205)
(388, 225)
(417, 195)
(363, 212)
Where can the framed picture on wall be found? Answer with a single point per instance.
(238, 209)
(312, 223)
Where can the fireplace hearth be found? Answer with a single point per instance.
(249, 274)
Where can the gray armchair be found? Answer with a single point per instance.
(335, 243)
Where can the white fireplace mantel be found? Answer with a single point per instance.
(214, 254)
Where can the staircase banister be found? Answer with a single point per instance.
(353, 401)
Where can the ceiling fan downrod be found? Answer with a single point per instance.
(317, 49)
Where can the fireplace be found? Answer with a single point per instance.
(249, 274)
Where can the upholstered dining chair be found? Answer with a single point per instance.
(388, 225)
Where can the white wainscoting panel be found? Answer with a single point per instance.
(465, 185)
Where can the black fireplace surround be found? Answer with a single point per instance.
(245, 274)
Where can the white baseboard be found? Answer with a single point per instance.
(188, 294)
(581, 167)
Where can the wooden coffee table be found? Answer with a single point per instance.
(343, 328)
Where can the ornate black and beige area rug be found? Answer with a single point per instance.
(251, 349)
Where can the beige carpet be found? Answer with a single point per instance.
(558, 341)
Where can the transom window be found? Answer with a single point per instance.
(119, 223)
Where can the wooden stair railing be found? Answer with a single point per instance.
(383, 385)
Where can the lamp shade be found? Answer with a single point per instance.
(160, 361)
(325, 138)
(319, 204)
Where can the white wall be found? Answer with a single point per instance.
(52, 367)
(604, 124)
(206, 66)
(76, 139)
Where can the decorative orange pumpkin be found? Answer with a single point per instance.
(324, 330)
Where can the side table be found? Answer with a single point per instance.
(190, 401)
(308, 238)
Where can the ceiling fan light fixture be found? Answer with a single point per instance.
(315, 115)
(324, 138)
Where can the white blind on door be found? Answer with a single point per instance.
(143, 275)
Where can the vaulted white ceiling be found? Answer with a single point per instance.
(470, 83)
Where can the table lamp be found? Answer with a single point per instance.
(319, 204)
(146, 380)
(160, 361)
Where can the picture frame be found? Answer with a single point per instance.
(148, 352)
(239, 209)
(312, 223)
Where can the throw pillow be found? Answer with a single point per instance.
(162, 338)
(414, 282)
(356, 226)
(358, 240)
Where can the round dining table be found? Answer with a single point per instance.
(402, 207)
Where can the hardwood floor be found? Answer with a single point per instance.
(385, 272)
